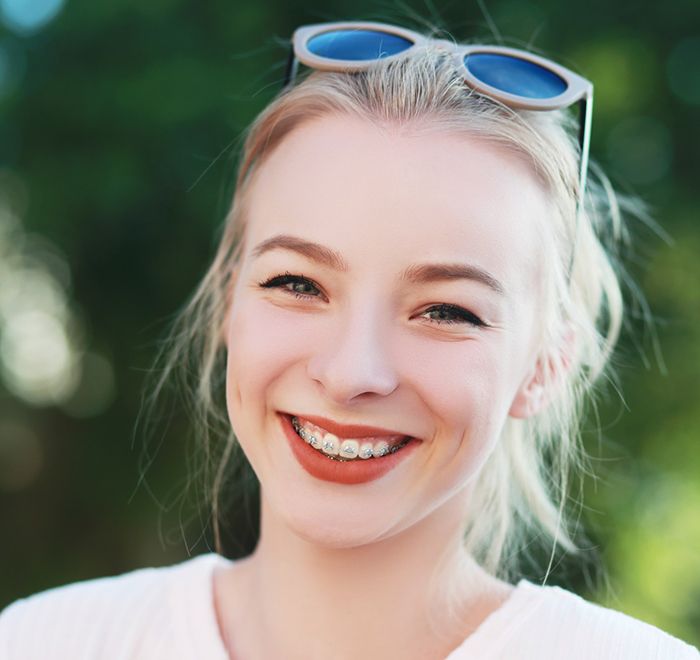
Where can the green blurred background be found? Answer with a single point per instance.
(119, 127)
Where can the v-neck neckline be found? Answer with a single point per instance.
(496, 629)
(489, 635)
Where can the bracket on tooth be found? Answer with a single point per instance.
(317, 444)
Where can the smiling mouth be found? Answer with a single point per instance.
(347, 450)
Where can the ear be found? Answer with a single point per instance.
(543, 381)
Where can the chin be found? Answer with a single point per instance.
(326, 529)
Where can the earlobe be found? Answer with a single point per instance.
(546, 377)
(530, 398)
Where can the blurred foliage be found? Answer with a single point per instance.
(119, 126)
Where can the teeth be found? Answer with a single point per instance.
(315, 439)
(350, 449)
(330, 444)
(381, 449)
(342, 450)
(366, 450)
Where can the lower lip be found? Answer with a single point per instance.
(359, 471)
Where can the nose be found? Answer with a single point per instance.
(355, 359)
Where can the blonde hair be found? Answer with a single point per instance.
(521, 491)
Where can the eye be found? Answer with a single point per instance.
(297, 285)
(449, 314)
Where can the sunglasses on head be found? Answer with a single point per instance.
(516, 78)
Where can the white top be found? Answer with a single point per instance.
(168, 613)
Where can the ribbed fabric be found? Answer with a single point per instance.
(547, 623)
(168, 613)
(149, 614)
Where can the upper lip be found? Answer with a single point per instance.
(349, 430)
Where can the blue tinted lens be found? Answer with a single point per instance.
(357, 44)
(515, 76)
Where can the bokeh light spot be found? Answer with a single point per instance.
(29, 15)
(27, 286)
(37, 359)
(623, 69)
(41, 334)
(683, 70)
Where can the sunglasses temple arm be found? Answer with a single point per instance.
(291, 70)
(585, 141)
(584, 135)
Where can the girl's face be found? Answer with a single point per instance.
(389, 278)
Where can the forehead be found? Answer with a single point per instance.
(392, 193)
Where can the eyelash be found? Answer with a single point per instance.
(463, 315)
(288, 278)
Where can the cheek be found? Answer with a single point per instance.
(263, 342)
(463, 383)
(468, 386)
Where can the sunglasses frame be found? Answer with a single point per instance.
(578, 88)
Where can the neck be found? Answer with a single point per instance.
(415, 594)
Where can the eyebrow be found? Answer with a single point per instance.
(422, 273)
(313, 251)
(415, 274)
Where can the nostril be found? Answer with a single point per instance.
(356, 361)
(345, 383)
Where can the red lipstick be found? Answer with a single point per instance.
(350, 430)
(357, 471)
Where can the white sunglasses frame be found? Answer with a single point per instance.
(578, 88)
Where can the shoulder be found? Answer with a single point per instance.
(119, 616)
(577, 628)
